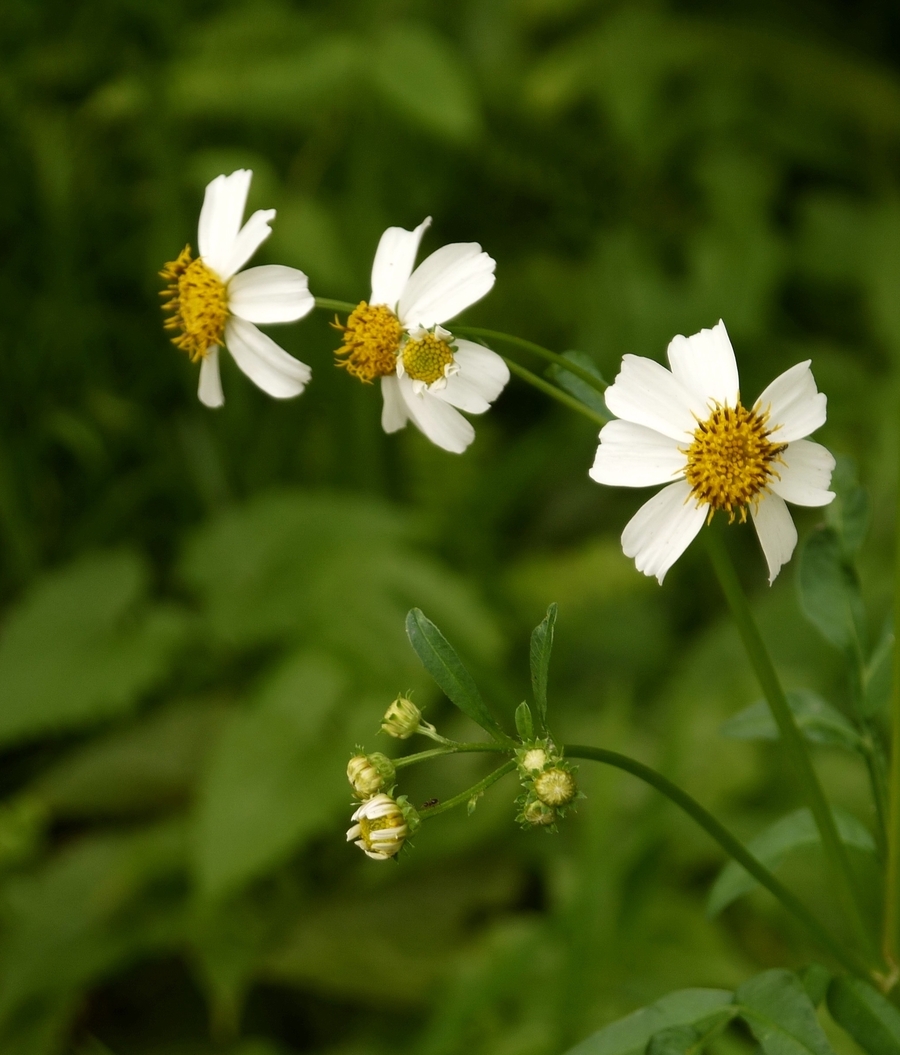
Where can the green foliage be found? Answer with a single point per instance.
(872, 1021)
(819, 722)
(541, 648)
(777, 1009)
(795, 831)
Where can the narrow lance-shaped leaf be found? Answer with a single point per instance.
(819, 722)
(444, 665)
(541, 647)
(685, 1008)
(781, 1016)
(829, 593)
(868, 1017)
(578, 387)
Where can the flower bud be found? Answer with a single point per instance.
(369, 774)
(381, 827)
(532, 760)
(401, 719)
(538, 813)
(555, 787)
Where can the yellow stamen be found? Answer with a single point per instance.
(371, 342)
(731, 461)
(198, 301)
(426, 358)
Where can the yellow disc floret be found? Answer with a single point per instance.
(197, 300)
(427, 357)
(371, 342)
(732, 459)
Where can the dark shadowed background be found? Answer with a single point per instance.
(202, 612)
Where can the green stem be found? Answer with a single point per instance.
(890, 941)
(334, 305)
(476, 789)
(732, 846)
(555, 393)
(439, 752)
(791, 737)
(529, 346)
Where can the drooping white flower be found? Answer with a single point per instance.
(381, 828)
(688, 425)
(398, 336)
(213, 303)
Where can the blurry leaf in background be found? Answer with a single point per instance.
(872, 1021)
(829, 593)
(82, 647)
(273, 779)
(576, 386)
(781, 1016)
(792, 832)
(819, 722)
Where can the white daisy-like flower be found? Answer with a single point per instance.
(398, 336)
(214, 304)
(380, 829)
(688, 425)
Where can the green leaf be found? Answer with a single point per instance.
(576, 386)
(630, 1035)
(781, 1016)
(829, 592)
(418, 72)
(792, 832)
(273, 779)
(541, 648)
(878, 675)
(849, 513)
(815, 979)
(872, 1021)
(524, 722)
(443, 664)
(82, 647)
(676, 1040)
(819, 722)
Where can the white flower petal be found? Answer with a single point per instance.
(394, 414)
(210, 388)
(805, 474)
(482, 367)
(662, 529)
(648, 394)
(776, 531)
(271, 293)
(443, 425)
(705, 363)
(250, 237)
(394, 260)
(459, 392)
(267, 365)
(794, 404)
(445, 283)
(221, 215)
(631, 455)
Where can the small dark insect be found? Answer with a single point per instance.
(430, 804)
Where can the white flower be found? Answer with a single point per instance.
(397, 335)
(688, 425)
(214, 305)
(380, 829)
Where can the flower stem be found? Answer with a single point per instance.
(334, 305)
(438, 752)
(476, 789)
(891, 925)
(537, 349)
(555, 393)
(732, 846)
(791, 737)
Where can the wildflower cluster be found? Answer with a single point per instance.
(548, 785)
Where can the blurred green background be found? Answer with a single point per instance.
(202, 612)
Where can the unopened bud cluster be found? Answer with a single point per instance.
(548, 784)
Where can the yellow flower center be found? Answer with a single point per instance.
(426, 358)
(197, 300)
(393, 820)
(731, 460)
(370, 343)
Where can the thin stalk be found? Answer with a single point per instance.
(791, 737)
(537, 349)
(555, 393)
(476, 789)
(334, 305)
(732, 846)
(890, 941)
(439, 752)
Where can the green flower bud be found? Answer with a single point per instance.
(369, 774)
(555, 787)
(401, 719)
(538, 813)
(532, 760)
